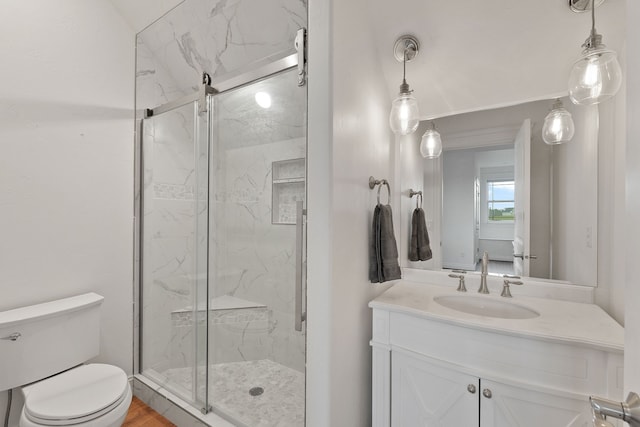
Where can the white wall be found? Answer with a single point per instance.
(359, 145)
(498, 250)
(575, 214)
(632, 232)
(319, 218)
(362, 146)
(612, 232)
(526, 49)
(66, 161)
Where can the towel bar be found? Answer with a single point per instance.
(372, 184)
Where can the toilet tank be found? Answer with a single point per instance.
(49, 338)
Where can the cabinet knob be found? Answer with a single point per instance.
(471, 388)
(487, 393)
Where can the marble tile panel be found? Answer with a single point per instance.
(287, 346)
(234, 335)
(170, 219)
(154, 85)
(239, 335)
(221, 36)
(171, 155)
(168, 284)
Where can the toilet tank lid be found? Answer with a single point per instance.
(41, 311)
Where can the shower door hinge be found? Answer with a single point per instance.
(301, 47)
(205, 90)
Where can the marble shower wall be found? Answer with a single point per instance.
(217, 37)
(250, 258)
(255, 258)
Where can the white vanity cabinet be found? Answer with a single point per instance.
(433, 367)
(426, 393)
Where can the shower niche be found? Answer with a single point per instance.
(288, 187)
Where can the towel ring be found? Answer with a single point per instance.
(372, 184)
(385, 182)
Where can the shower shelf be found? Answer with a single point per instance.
(287, 180)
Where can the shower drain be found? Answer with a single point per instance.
(256, 391)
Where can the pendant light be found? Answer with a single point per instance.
(431, 143)
(403, 118)
(558, 126)
(596, 76)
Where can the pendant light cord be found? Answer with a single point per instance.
(593, 16)
(6, 416)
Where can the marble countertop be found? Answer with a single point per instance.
(564, 321)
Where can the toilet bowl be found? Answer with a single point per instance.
(93, 395)
(46, 346)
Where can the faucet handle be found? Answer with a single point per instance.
(506, 292)
(510, 276)
(461, 285)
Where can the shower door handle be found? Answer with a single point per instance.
(299, 315)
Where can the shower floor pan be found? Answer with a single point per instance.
(259, 393)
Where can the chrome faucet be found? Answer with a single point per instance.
(628, 411)
(483, 276)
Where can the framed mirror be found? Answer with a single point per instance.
(499, 188)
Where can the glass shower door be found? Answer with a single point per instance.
(257, 192)
(174, 230)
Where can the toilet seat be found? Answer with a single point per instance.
(76, 396)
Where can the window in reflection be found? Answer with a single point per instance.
(501, 201)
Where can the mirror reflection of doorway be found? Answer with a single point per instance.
(484, 177)
(495, 179)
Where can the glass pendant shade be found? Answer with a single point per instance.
(431, 144)
(558, 126)
(595, 77)
(404, 114)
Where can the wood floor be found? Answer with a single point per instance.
(140, 415)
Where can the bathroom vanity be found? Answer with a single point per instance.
(525, 361)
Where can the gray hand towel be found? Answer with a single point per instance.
(419, 248)
(383, 259)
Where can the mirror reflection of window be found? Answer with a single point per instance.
(501, 200)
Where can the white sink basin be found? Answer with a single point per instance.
(485, 306)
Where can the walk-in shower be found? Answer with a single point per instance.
(222, 195)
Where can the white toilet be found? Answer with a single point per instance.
(43, 349)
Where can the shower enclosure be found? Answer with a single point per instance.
(222, 236)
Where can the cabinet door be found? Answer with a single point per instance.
(425, 395)
(510, 406)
